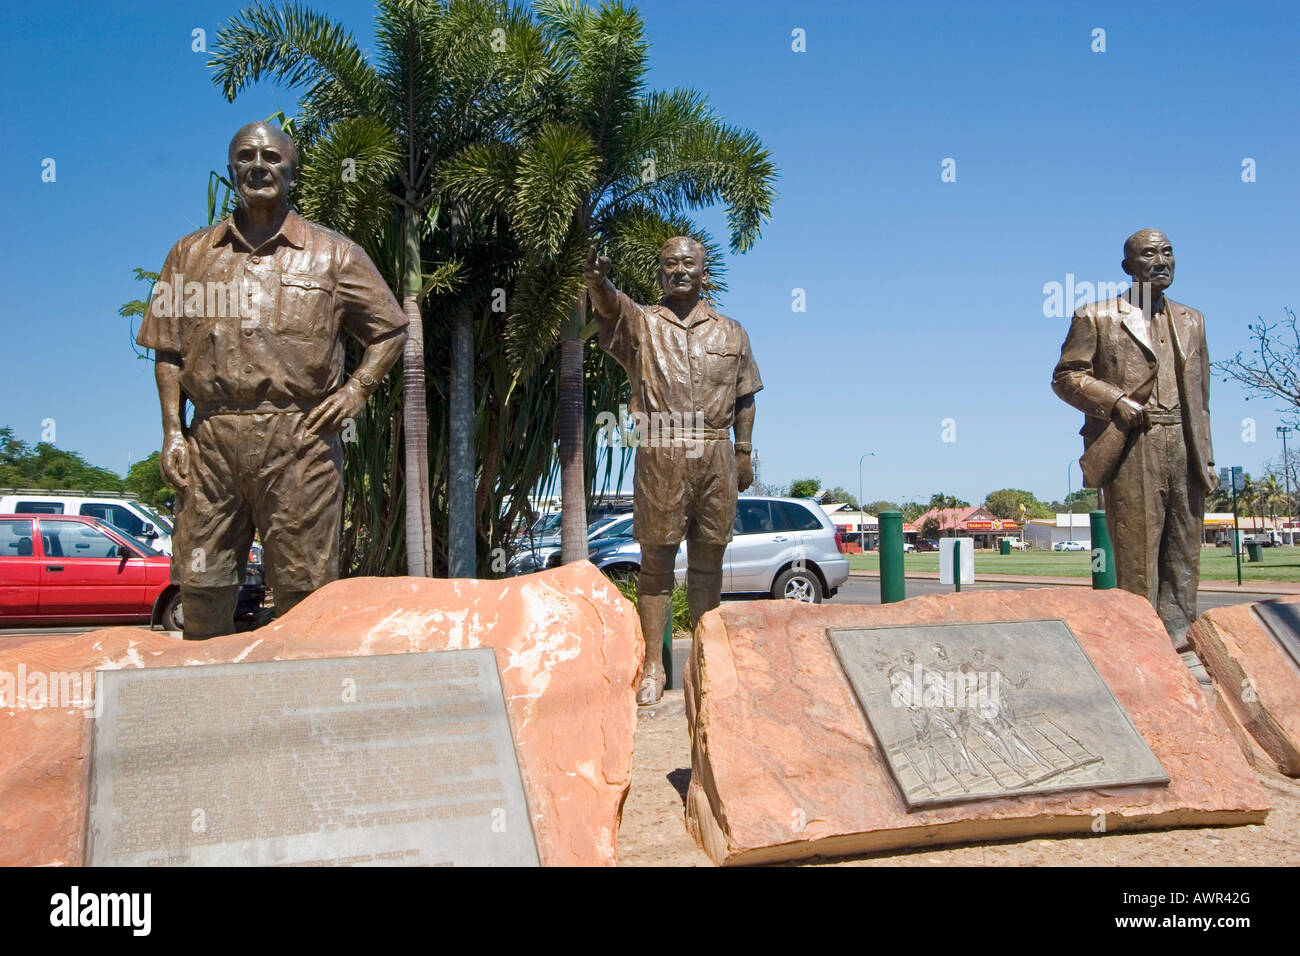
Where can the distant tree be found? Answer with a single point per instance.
(875, 507)
(838, 495)
(144, 480)
(45, 466)
(913, 510)
(765, 488)
(805, 487)
(944, 502)
(1273, 368)
(1269, 495)
(930, 527)
(940, 500)
(1085, 499)
(1006, 502)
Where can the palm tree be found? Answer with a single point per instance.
(1269, 492)
(605, 164)
(445, 74)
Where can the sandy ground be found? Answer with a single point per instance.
(653, 832)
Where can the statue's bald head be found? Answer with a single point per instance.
(682, 268)
(683, 243)
(1141, 238)
(1149, 259)
(258, 130)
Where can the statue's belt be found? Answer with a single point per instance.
(1165, 416)
(232, 407)
(687, 434)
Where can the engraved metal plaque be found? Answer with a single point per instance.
(991, 709)
(392, 760)
(1283, 622)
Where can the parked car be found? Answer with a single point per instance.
(71, 569)
(908, 547)
(782, 548)
(1068, 546)
(125, 514)
(544, 552)
(927, 544)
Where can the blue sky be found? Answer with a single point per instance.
(924, 299)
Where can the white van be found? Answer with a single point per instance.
(124, 513)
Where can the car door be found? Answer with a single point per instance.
(759, 538)
(82, 574)
(20, 570)
(812, 540)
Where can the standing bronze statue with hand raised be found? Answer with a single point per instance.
(1138, 367)
(693, 378)
(246, 322)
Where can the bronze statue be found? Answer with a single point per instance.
(1137, 366)
(246, 323)
(692, 377)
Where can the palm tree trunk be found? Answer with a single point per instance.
(462, 560)
(572, 424)
(415, 413)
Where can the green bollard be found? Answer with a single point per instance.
(668, 651)
(891, 557)
(1103, 565)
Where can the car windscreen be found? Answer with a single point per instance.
(163, 523)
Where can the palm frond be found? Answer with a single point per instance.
(297, 47)
(347, 174)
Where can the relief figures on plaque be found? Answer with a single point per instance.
(966, 730)
(1003, 708)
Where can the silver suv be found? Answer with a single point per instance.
(782, 548)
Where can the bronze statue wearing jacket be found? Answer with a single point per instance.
(1137, 366)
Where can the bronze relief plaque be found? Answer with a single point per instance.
(991, 709)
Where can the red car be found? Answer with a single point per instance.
(71, 569)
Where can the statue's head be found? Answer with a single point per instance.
(263, 165)
(939, 651)
(908, 657)
(682, 268)
(1149, 259)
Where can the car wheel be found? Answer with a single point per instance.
(797, 584)
(173, 615)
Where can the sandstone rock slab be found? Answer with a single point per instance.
(567, 644)
(1257, 682)
(785, 766)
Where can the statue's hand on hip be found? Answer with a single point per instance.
(175, 461)
(1130, 413)
(333, 413)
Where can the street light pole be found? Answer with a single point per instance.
(1282, 431)
(1068, 492)
(862, 523)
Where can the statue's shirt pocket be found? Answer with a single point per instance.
(722, 364)
(306, 306)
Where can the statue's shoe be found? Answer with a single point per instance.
(651, 688)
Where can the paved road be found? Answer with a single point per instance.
(856, 590)
(865, 590)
